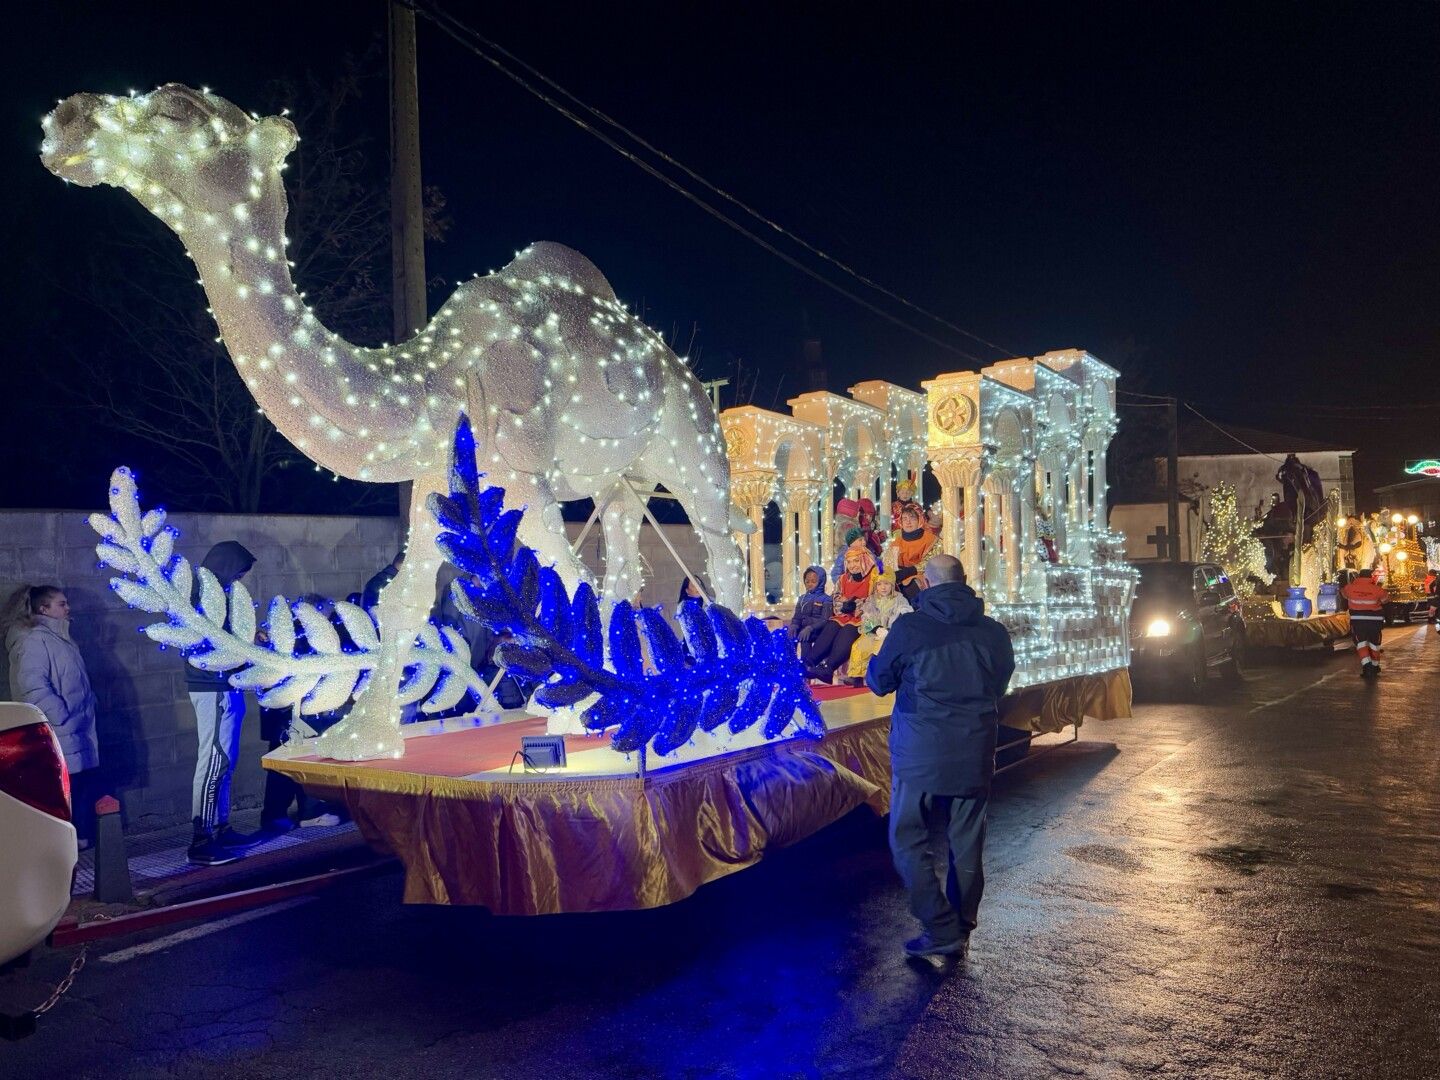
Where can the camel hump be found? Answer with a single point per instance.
(545, 258)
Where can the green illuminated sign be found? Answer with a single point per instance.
(1427, 467)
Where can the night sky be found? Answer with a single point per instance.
(1234, 203)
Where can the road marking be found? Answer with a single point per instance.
(1296, 693)
(193, 932)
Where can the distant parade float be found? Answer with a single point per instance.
(650, 761)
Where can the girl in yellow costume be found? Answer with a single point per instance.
(883, 606)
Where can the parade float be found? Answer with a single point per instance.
(1403, 562)
(647, 763)
(1309, 614)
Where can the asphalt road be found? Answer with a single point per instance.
(1247, 887)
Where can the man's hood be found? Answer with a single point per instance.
(952, 602)
(819, 571)
(228, 561)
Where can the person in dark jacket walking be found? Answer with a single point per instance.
(219, 711)
(813, 609)
(948, 665)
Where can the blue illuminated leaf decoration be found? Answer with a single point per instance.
(727, 671)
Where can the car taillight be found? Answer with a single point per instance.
(32, 769)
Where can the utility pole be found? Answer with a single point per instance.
(1172, 479)
(713, 389)
(407, 213)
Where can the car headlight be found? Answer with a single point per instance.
(1158, 628)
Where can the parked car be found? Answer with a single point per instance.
(1186, 620)
(37, 840)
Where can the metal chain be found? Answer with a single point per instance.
(63, 986)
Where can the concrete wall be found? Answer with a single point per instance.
(1137, 521)
(146, 725)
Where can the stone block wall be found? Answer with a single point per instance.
(146, 725)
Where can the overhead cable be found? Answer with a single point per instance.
(463, 35)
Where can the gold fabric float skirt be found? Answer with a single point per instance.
(530, 845)
(1297, 633)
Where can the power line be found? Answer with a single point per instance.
(1230, 435)
(458, 31)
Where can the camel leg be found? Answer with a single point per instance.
(707, 507)
(542, 529)
(372, 727)
(621, 522)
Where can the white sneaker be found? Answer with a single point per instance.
(320, 821)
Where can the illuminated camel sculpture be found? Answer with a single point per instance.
(572, 397)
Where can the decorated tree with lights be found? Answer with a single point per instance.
(1230, 540)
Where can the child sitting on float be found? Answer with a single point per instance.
(881, 608)
(814, 608)
(830, 645)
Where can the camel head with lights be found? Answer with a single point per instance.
(571, 396)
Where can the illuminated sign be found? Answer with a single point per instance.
(1427, 467)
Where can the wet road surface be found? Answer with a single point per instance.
(1245, 887)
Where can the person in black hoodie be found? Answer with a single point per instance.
(948, 665)
(219, 710)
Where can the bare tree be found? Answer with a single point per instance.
(161, 374)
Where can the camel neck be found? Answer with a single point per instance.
(314, 385)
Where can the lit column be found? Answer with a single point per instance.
(789, 538)
(958, 471)
(802, 495)
(752, 491)
(864, 482)
(1014, 552)
(1026, 553)
(1102, 500)
(887, 487)
(827, 515)
(1053, 482)
(1079, 512)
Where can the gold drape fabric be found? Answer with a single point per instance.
(1296, 633)
(1054, 706)
(524, 845)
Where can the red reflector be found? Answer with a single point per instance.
(32, 769)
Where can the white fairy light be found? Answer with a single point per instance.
(533, 316)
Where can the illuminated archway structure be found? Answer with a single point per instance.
(1021, 439)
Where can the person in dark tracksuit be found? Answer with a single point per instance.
(219, 711)
(949, 665)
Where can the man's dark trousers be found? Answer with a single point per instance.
(935, 835)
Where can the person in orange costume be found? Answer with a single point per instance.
(1366, 601)
(830, 647)
(911, 547)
